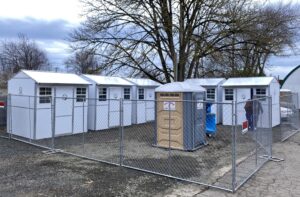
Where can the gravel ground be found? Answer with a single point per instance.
(35, 173)
(27, 171)
(210, 164)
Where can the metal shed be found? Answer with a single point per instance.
(36, 97)
(143, 98)
(180, 116)
(105, 95)
(214, 92)
(243, 89)
(292, 82)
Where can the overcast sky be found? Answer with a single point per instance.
(49, 22)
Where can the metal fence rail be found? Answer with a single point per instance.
(173, 138)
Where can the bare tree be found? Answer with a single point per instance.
(273, 29)
(21, 54)
(163, 39)
(166, 40)
(84, 61)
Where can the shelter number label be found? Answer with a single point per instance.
(169, 105)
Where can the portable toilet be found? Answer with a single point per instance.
(214, 92)
(180, 116)
(143, 100)
(245, 88)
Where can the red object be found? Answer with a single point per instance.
(2, 103)
(245, 125)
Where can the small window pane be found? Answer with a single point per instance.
(45, 95)
(80, 94)
(260, 92)
(127, 93)
(210, 94)
(102, 94)
(141, 94)
(229, 94)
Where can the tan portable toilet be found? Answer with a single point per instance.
(180, 116)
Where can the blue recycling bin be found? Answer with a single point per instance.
(211, 126)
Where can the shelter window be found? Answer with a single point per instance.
(229, 94)
(260, 92)
(80, 94)
(210, 94)
(102, 94)
(141, 94)
(126, 93)
(45, 95)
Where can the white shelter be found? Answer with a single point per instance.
(36, 97)
(292, 82)
(214, 92)
(143, 98)
(242, 89)
(105, 95)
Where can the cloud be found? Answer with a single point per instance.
(281, 66)
(35, 28)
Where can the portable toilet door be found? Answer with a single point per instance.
(199, 121)
(63, 110)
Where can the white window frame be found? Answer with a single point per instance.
(141, 94)
(126, 93)
(45, 94)
(102, 94)
(210, 95)
(226, 94)
(258, 93)
(80, 95)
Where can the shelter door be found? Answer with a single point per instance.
(63, 110)
(150, 104)
(243, 94)
(115, 93)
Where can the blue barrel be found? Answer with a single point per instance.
(211, 126)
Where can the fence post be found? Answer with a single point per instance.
(9, 120)
(254, 125)
(53, 100)
(121, 131)
(29, 117)
(297, 110)
(270, 127)
(83, 127)
(234, 124)
(169, 153)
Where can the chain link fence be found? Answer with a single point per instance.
(289, 114)
(173, 138)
